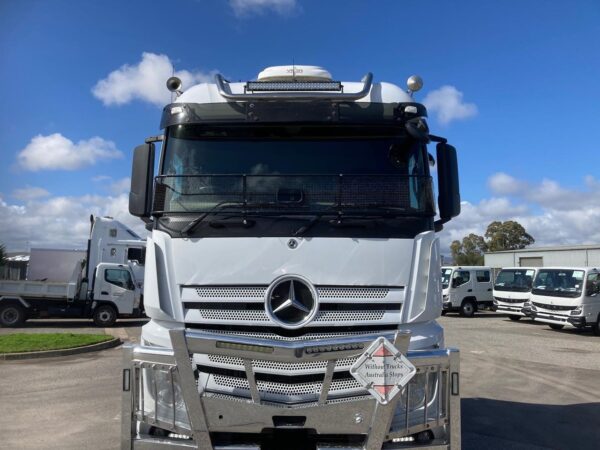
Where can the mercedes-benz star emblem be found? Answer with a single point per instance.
(291, 302)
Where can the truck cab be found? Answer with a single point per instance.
(466, 289)
(512, 289)
(566, 296)
(115, 293)
(292, 270)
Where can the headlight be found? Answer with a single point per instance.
(445, 297)
(577, 312)
(162, 399)
(418, 389)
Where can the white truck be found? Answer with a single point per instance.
(102, 286)
(466, 289)
(293, 272)
(566, 296)
(512, 289)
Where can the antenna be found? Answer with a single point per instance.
(173, 93)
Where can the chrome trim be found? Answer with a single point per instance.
(221, 413)
(222, 86)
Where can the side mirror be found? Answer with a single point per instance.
(142, 176)
(448, 188)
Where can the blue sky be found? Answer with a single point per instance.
(513, 84)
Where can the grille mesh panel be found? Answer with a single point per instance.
(285, 388)
(231, 292)
(287, 367)
(245, 315)
(352, 292)
(306, 337)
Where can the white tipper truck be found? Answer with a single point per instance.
(512, 289)
(293, 271)
(105, 284)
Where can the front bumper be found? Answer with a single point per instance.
(510, 309)
(208, 414)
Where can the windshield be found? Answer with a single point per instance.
(446, 277)
(558, 282)
(296, 169)
(515, 280)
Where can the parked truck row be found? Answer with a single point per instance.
(105, 284)
(559, 296)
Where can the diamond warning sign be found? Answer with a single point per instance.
(383, 370)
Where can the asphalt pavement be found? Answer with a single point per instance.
(524, 386)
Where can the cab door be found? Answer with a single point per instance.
(461, 286)
(483, 286)
(114, 283)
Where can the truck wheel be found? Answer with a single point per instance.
(105, 316)
(468, 308)
(596, 326)
(515, 318)
(556, 326)
(12, 315)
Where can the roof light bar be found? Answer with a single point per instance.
(258, 86)
(225, 91)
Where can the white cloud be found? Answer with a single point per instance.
(120, 186)
(448, 105)
(60, 222)
(551, 213)
(246, 7)
(145, 81)
(30, 193)
(56, 152)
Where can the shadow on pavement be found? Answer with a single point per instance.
(498, 424)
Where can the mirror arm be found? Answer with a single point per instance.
(440, 139)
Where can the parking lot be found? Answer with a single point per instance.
(523, 385)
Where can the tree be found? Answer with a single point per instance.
(509, 235)
(2, 255)
(469, 252)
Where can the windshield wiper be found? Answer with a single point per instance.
(194, 223)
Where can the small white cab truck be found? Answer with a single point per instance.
(566, 296)
(466, 289)
(103, 286)
(512, 289)
(293, 270)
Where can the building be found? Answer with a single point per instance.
(570, 256)
(15, 266)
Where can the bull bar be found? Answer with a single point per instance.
(213, 413)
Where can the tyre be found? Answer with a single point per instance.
(105, 316)
(468, 308)
(596, 326)
(515, 318)
(556, 326)
(12, 315)
(444, 312)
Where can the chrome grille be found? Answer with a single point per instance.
(344, 311)
(554, 307)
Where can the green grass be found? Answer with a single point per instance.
(33, 342)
